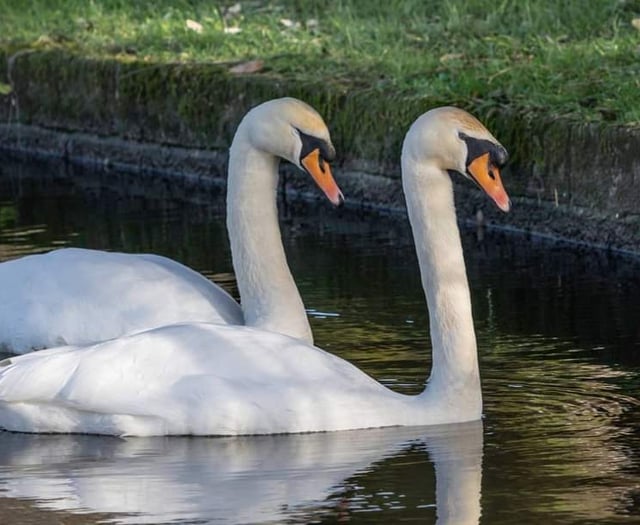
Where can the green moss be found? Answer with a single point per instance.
(200, 105)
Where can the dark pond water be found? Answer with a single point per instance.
(559, 342)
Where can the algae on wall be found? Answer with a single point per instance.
(196, 105)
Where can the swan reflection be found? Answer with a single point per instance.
(233, 480)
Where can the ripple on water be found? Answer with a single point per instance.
(566, 437)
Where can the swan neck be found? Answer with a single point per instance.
(430, 205)
(269, 296)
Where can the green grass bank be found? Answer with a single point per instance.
(558, 83)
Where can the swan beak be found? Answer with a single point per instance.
(320, 170)
(487, 176)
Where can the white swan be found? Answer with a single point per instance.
(208, 379)
(78, 296)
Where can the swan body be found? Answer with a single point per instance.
(204, 379)
(79, 296)
(207, 379)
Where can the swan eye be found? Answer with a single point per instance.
(477, 147)
(499, 156)
(310, 143)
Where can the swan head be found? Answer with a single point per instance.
(455, 141)
(290, 129)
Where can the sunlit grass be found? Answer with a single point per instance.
(567, 58)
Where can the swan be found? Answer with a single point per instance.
(80, 296)
(207, 379)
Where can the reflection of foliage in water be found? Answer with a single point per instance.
(12, 239)
(8, 215)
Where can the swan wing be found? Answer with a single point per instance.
(78, 296)
(195, 378)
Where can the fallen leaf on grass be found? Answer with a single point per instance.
(636, 23)
(194, 26)
(252, 66)
(450, 56)
(232, 30)
(289, 24)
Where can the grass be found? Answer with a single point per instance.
(574, 59)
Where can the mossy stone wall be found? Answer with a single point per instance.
(199, 106)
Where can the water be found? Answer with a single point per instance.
(559, 342)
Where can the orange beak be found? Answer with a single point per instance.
(320, 170)
(488, 178)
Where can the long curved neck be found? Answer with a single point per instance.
(269, 296)
(455, 378)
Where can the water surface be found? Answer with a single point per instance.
(559, 342)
